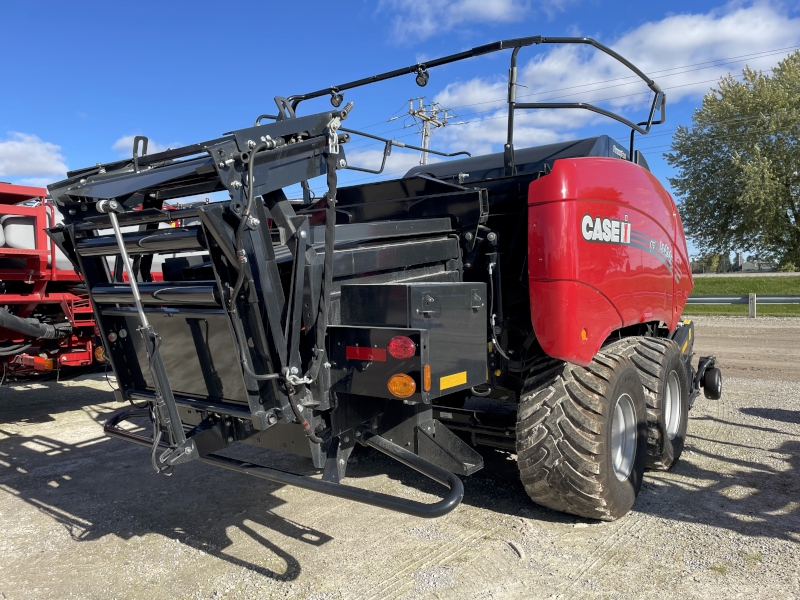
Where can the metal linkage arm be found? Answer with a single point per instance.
(166, 410)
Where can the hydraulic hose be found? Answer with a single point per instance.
(301, 418)
(32, 327)
(243, 223)
(14, 349)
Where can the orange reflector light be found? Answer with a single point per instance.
(401, 347)
(401, 385)
(583, 335)
(42, 364)
(99, 355)
(426, 378)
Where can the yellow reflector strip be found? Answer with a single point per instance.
(452, 380)
(686, 343)
(690, 334)
(687, 321)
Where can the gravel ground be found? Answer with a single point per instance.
(83, 516)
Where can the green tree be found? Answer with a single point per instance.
(739, 165)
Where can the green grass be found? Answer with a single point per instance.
(763, 310)
(720, 569)
(739, 286)
(752, 558)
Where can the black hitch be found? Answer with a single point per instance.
(709, 377)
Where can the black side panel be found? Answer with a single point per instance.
(197, 348)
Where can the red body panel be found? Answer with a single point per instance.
(602, 237)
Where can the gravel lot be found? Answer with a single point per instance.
(83, 516)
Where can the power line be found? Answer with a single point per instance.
(434, 115)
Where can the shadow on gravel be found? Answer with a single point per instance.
(750, 498)
(497, 487)
(775, 414)
(17, 406)
(101, 487)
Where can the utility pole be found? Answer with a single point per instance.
(429, 115)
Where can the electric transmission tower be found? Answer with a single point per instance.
(427, 116)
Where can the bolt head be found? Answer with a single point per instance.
(230, 439)
(468, 236)
(294, 371)
(346, 439)
(491, 237)
(251, 144)
(342, 163)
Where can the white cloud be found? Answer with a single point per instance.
(23, 154)
(124, 146)
(38, 181)
(420, 20)
(663, 49)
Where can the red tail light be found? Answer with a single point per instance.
(365, 353)
(401, 347)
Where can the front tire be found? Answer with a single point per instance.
(582, 436)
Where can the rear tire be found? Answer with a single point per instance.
(666, 390)
(581, 436)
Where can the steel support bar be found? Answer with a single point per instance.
(760, 299)
(403, 505)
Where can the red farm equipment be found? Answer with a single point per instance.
(46, 321)
(546, 282)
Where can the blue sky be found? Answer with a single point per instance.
(79, 79)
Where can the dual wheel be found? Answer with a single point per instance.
(586, 434)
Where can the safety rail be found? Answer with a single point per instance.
(746, 299)
(753, 300)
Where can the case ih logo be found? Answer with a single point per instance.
(595, 229)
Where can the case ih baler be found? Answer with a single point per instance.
(551, 279)
(46, 321)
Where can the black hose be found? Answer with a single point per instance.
(33, 328)
(243, 224)
(301, 418)
(238, 334)
(14, 349)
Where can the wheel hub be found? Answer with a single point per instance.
(623, 437)
(672, 405)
